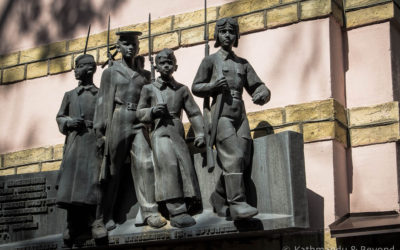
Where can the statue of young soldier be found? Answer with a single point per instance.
(78, 191)
(121, 133)
(223, 75)
(161, 105)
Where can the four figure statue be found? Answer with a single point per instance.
(132, 118)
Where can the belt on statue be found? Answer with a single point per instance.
(172, 115)
(236, 94)
(128, 105)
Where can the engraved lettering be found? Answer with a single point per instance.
(26, 182)
(37, 203)
(35, 210)
(29, 189)
(6, 191)
(25, 226)
(27, 196)
(12, 205)
(19, 219)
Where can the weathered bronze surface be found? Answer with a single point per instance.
(161, 105)
(223, 76)
(120, 134)
(78, 180)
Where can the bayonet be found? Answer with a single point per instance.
(108, 43)
(87, 40)
(110, 57)
(153, 76)
(206, 105)
(206, 37)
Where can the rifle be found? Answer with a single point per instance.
(104, 170)
(206, 104)
(87, 40)
(109, 55)
(153, 74)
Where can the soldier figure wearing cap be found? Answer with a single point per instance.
(161, 105)
(223, 76)
(78, 191)
(121, 134)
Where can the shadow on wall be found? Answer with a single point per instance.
(50, 21)
(291, 55)
(25, 124)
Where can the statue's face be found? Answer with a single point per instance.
(227, 36)
(84, 71)
(128, 48)
(165, 66)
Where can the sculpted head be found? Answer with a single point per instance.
(166, 62)
(128, 43)
(226, 33)
(85, 67)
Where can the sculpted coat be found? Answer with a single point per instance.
(174, 171)
(232, 120)
(125, 137)
(80, 165)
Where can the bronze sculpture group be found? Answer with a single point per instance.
(137, 117)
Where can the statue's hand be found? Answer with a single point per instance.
(100, 144)
(199, 141)
(75, 123)
(219, 85)
(262, 96)
(159, 110)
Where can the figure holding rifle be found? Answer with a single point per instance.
(223, 76)
(79, 191)
(122, 134)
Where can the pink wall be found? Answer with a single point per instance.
(27, 24)
(326, 177)
(337, 62)
(294, 61)
(369, 73)
(374, 178)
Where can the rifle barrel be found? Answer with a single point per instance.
(87, 40)
(150, 58)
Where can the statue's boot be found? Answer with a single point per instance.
(99, 230)
(110, 225)
(182, 220)
(218, 199)
(235, 191)
(156, 221)
(179, 216)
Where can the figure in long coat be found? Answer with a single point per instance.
(223, 76)
(78, 191)
(161, 104)
(122, 136)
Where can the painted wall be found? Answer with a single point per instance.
(369, 70)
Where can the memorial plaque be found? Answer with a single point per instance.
(27, 207)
